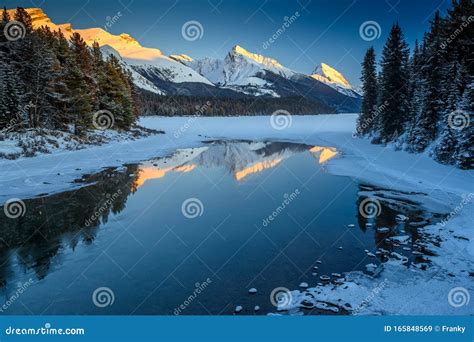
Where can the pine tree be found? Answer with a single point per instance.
(80, 103)
(417, 86)
(465, 146)
(23, 17)
(3, 22)
(365, 121)
(458, 33)
(81, 53)
(5, 15)
(393, 85)
(429, 88)
(83, 57)
(446, 146)
(60, 96)
(3, 111)
(115, 98)
(9, 100)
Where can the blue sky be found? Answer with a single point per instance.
(325, 30)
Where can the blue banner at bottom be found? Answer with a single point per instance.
(234, 328)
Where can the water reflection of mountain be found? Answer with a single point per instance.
(240, 159)
(55, 222)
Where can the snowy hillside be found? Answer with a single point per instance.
(138, 79)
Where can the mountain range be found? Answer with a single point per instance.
(240, 74)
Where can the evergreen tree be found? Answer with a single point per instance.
(393, 85)
(433, 74)
(365, 121)
(446, 145)
(9, 100)
(417, 88)
(458, 32)
(60, 94)
(83, 57)
(465, 146)
(5, 15)
(80, 103)
(23, 17)
(116, 95)
(81, 53)
(3, 22)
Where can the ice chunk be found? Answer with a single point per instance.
(401, 218)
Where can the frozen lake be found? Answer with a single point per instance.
(192, 232)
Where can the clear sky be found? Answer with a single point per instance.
(325, 30)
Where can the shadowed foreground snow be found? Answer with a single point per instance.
(395, 289)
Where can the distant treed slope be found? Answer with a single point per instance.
(174, 105)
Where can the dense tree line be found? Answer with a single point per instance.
(174, 105)
(47, 81)
(424, 101)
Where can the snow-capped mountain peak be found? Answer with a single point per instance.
(262, 60)
(333, 78)
(238, 55)
(328, 74)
